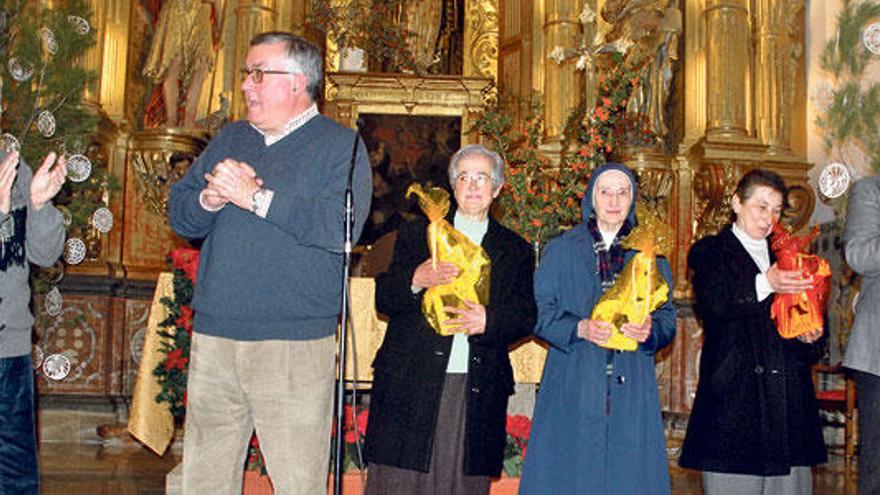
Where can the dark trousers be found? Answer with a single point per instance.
(868, 391)
(18, 441)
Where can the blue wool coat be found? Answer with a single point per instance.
(575, 447)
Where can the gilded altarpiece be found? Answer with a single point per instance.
(734, 106)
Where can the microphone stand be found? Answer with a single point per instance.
(343, 330)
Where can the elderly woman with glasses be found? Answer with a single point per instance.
(438, 405)
(597, 426)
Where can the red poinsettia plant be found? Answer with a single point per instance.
(354, 427)
(177, 329)
(519, 428)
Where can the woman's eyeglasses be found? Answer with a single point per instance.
(478, 178)
(256, 73)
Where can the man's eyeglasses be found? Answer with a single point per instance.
(478, 178)
(257, 74)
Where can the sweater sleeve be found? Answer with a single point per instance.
(316, 220)
(185, 212)
(862, 232)
(45, 229)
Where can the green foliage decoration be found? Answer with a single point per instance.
(367, 24)
(854, 108)
(51, 44)
(541, 197)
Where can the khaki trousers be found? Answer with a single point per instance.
(283, 389)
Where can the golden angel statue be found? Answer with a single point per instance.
(182, 54)
(647, 32)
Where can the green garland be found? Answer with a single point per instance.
(171, 372)
(854, 108)
(540, 198)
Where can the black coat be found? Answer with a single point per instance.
(410, 367)
(755, 411)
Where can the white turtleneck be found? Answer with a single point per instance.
(760, 253)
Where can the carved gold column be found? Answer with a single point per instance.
(108, 59)
(252, 18)
(563, 83)
(775, 71)
(481, 39)
(114, 58)
(693, 73)
(727, 68)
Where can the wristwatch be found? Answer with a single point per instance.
(258, 200)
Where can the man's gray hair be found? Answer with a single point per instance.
(473, 150)
(303, 57)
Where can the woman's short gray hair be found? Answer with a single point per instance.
(303, 57)
(479, 150)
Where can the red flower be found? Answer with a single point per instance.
(537, 222)
(349, 417)
(175, 360)
(185, 319)
(186, 259)
(519, 426)
(362, 418)
(255, 442)
(350, 436)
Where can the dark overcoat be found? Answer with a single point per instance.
(755, 410)
(410, 366)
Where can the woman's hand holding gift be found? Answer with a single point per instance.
(639, 333)
(471, 320)
(426, 276)
(595, 331)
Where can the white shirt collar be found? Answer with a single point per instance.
(293, 124)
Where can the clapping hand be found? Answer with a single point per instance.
(231, 182)
(47, 181)
(8, 171)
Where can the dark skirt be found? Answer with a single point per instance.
(446, 474)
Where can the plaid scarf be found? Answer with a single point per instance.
(610, 259)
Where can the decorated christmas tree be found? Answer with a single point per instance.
(41, 92)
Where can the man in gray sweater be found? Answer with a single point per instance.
(267, 197)
(30, 231)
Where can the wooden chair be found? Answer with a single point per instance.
(378, 256)
(844, 401)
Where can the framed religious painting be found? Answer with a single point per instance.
(411, 127)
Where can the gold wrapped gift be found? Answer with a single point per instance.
(640, 287)
(449, 245)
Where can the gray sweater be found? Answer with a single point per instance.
(26, 235)
(277, 277)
